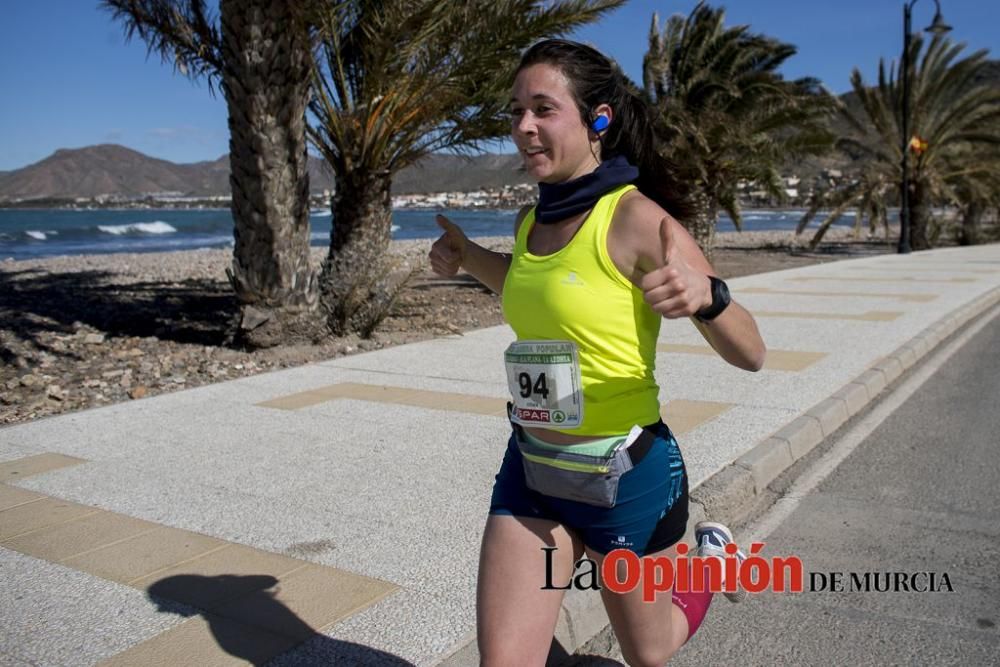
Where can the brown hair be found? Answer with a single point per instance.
(596, 79)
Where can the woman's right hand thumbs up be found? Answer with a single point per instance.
(448, 252)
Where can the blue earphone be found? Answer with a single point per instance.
(600, 124)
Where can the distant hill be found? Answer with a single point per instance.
(450, 173)
(110, 169)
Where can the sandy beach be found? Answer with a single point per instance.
(90, 330)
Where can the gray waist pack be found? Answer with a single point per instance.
(586, 479)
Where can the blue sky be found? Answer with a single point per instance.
(69, 80)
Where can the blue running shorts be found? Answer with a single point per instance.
(650, 514)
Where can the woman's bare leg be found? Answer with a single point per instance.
(649, 633)
(516, 617)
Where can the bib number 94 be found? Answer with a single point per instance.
(527, 389)
(544, 381)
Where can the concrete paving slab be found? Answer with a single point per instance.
(136, 557)
(39, 514)
(11, 471)
(78, 536)
(11, 496)
(685, 416)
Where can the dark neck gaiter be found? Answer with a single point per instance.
(558, 201)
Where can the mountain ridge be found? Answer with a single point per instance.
(116, 170)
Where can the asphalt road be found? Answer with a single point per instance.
(920, 493)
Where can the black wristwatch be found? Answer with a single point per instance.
(720, 300)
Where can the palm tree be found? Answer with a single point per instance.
(975, 192)
(724, 114)
(259, 50)
(955, 116)
(394, 81)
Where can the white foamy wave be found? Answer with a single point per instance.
(395, 228)
(40, 236)
(320, 213)
(157, 227)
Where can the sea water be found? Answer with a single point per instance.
(28, 233)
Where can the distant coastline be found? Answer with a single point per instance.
(507, 197)
(501, 199)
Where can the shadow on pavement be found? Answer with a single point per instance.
(248, 622)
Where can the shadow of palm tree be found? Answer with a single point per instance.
(248, 622)
(430, 282)
(191, 311)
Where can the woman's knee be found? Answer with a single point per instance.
(512, 653)
(649, 653)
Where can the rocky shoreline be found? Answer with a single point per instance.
(90, 330)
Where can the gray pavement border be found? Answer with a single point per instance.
(733, 493)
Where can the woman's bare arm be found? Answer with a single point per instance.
(661, 258)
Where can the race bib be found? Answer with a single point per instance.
(544, 380)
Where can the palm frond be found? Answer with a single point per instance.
(183, 32)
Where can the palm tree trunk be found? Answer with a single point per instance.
(971, 215)
(919, 217)
(266, 82)
(359, 280)
(701, 225)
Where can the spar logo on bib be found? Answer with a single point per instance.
(535, 415)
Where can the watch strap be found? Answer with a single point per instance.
(720, 301)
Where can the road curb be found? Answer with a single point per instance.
(732, 493)
(735, 492)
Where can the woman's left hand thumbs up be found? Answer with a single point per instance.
(674, 289)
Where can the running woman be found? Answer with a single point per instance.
(597, 263)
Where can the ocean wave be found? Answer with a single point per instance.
(157, 227)
(320, 213)
(40, 236)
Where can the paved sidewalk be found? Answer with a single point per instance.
(331, 514)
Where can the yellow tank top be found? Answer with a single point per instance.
(578, 294)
